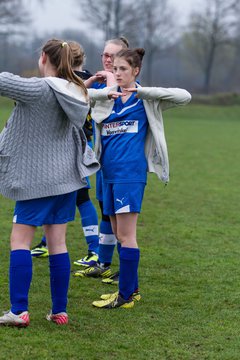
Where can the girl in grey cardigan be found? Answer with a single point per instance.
(44, 159)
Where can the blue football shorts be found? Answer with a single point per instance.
(122, 198)
(99, 185)
(88, 186)
(58, 209)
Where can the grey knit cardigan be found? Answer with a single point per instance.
(43, 150)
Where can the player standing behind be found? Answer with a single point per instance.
(130, 142)
(107, 240)
(44, 160)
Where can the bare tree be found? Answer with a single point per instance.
(157, 26)
(107, 17)
(146, 23)
(209, 32)
(13, 16)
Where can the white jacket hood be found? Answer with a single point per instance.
(71, 98)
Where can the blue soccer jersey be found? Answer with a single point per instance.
(98, 85)
(123, 138)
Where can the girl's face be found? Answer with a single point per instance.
(107, 56)
(125, 74)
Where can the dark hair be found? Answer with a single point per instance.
(121, 41)
(132, 56)
(78, 54)
(62, 57)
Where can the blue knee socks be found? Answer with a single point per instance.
(59, 265)
(20, 277)
(107, 242)
(128, 277)
(89, 220)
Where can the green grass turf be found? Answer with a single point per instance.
(188, 233)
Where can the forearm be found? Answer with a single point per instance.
(19, 89)
(174, 95)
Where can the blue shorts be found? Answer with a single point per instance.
(122, 198)
(58, 209)
(99, 185)
(88, 186)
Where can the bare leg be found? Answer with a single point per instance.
(125, 228)
(56, 238)
(22, 236)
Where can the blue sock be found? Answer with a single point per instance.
(136, 287)
(44, 240)
(129, 260)
(107, 242)
(59, 265)
(89, 220)
(119, 246)
(20, 277)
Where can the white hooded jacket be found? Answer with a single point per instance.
(155, 100)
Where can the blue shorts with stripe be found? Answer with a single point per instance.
(122, 198)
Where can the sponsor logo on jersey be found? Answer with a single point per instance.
(120, 127)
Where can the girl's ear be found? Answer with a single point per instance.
(44, 58)
(136, 71)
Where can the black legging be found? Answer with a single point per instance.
(104, 217)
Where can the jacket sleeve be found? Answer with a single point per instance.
(98, 94)
(168, 97)
(20, 89)
(100, 104)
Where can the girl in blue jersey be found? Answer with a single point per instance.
(129, 142)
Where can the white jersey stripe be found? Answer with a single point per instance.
(125, 108)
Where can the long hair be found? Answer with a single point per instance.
(61, 57)
(78, 54)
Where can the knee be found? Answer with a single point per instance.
(127, 240)
(21, 236)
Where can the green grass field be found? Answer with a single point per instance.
(190, 261)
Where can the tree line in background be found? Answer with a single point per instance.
(202, 56)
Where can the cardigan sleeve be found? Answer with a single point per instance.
(168, 97)
(21, 89)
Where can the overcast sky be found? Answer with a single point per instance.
(59, 15)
